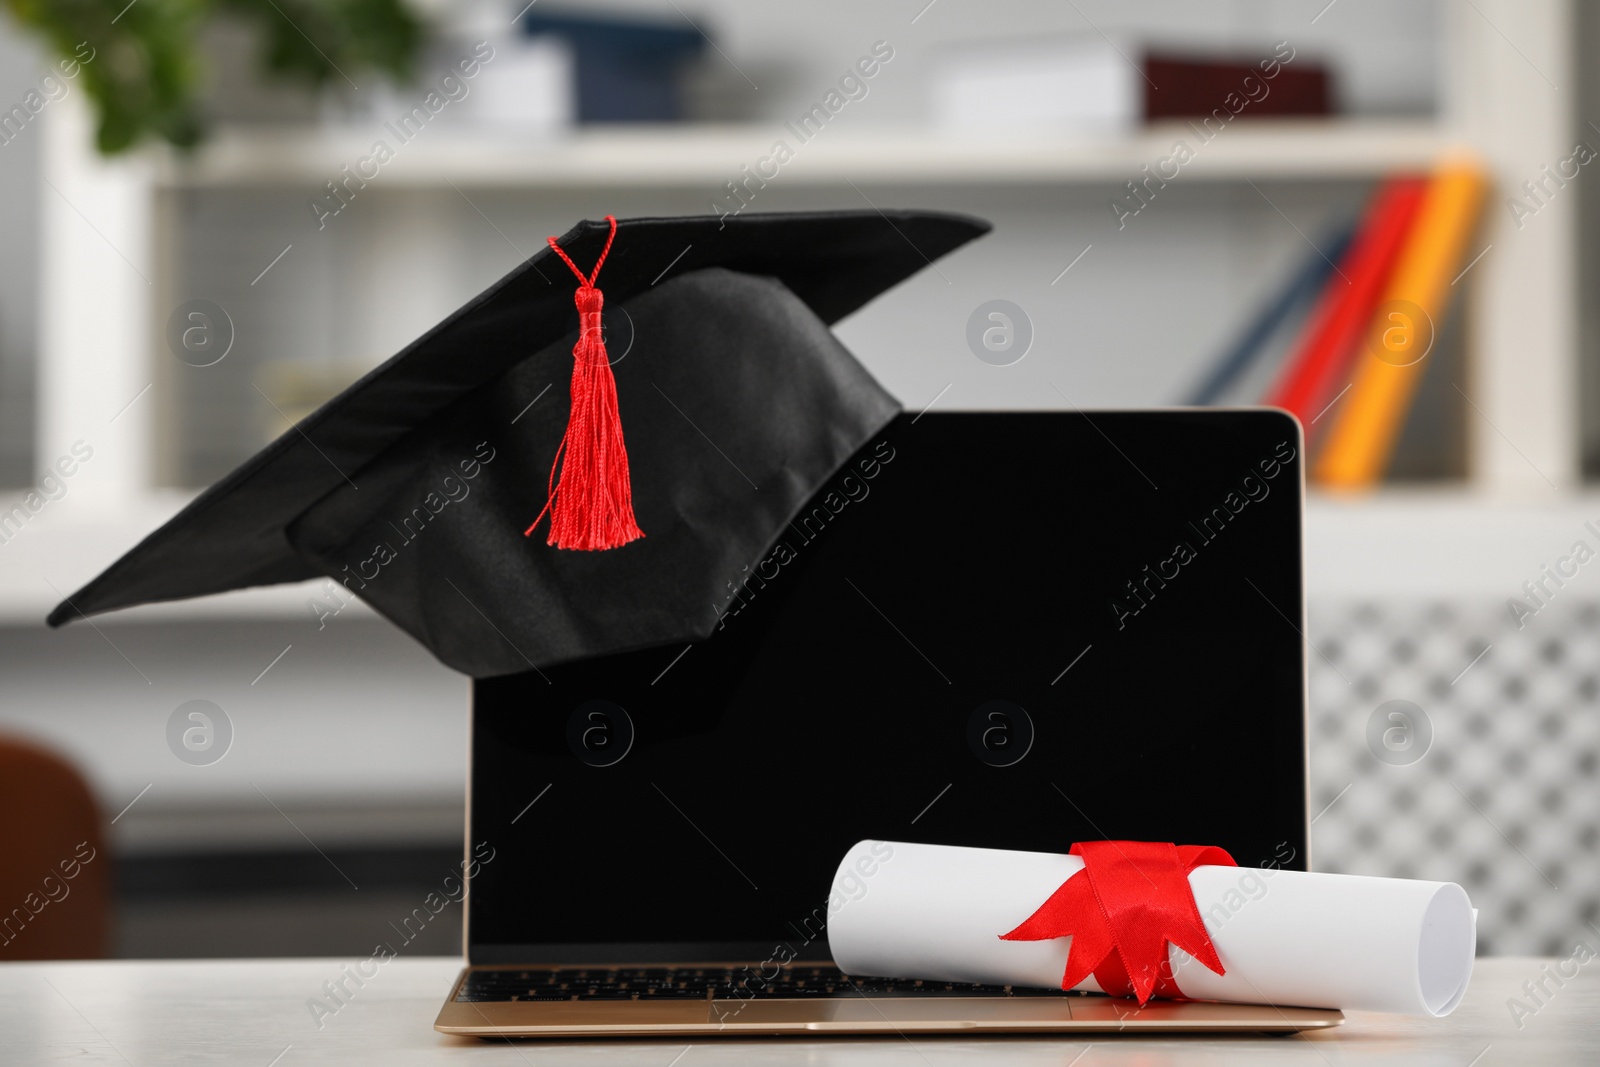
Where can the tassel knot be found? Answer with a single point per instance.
(589, 300)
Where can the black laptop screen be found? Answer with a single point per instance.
(1011, 630)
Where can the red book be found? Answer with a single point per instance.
(1181, 87)
(1312, 376)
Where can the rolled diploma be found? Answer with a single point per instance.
(936, 912)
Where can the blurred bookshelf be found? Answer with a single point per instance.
(457, 208)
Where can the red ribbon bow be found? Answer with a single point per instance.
(1121, 910)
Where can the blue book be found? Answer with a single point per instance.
(1300, 290)
(626, 69)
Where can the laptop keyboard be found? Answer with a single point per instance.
(707, 983)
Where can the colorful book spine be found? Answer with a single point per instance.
(1401, 331)
(1320, 367)
(1299, 290)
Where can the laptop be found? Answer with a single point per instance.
(1008, 630)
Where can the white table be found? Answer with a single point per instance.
(249, 1012)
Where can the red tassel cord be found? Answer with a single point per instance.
(591, 508)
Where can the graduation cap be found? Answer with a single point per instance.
(708, 401)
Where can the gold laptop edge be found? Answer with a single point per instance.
(864, 1016)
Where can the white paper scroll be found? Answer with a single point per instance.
(936, 912)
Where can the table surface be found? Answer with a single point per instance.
(256, 1012)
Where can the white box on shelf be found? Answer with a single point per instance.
(528, 87)
(1066, 84)
(510, 84)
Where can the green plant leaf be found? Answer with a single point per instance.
(143, 66)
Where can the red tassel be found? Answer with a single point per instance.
(592, 506)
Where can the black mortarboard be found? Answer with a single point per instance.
(413, 488)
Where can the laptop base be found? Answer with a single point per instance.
(860, 1015)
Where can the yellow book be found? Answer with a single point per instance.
(1394, 353)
